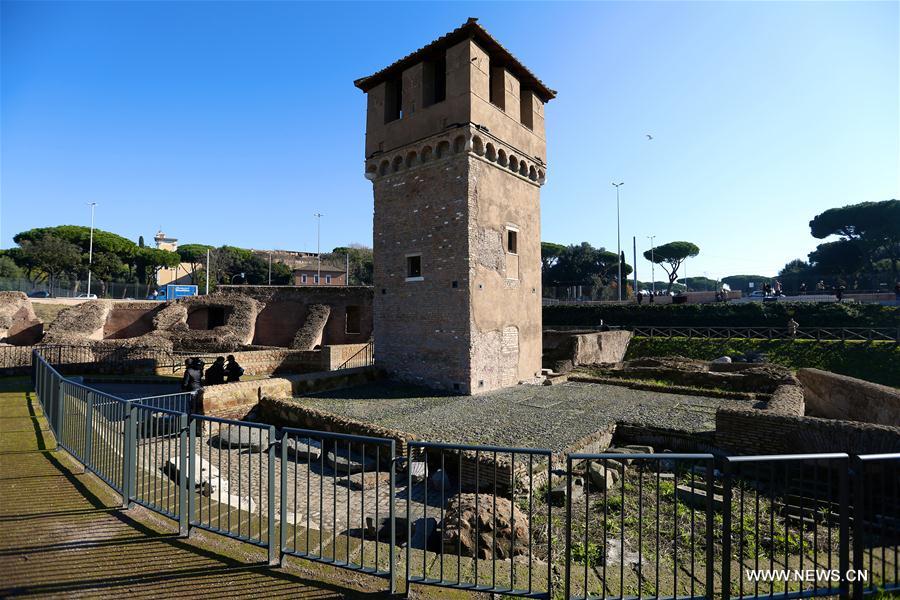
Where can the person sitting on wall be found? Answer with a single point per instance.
(215, 374)
(233, 371)
(193, 376)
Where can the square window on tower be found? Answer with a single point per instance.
(414, 267)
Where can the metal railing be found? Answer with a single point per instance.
(364, 357)
(481, 518)
(868, 334)
(477, 478)
(631, 514)
(315, 465)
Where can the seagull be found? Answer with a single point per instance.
(649, 137)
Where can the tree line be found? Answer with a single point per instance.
(60, 255)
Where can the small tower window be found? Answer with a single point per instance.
(435, 85)
(526, 108)
(498, 87)
(328, 279)
(393, 99)
(512, 240)
(303, 278)
(414, 267)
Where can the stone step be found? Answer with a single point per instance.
(698, 498)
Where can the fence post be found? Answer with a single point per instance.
(568, 583)
(859, 527)
(392, 520)
(282, 540)
(129, 472)
(89, 430)
(726, 534)
(183, 481)
(274, 548)
(192, 487)
(60, 408)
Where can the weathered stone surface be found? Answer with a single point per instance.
(343, 462)
(559, 491)
(507, 529)
(310, 333)
(834, 396)
(602, 478)
(257, 440)
(369, 481)
(722, 360)
(206, 476)
(305, 449)
(18, 323)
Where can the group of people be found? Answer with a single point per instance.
(197, 375)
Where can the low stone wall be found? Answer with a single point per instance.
(748, 431)
(566, 349)
(234, 400)
(836, 396)
(787, 400)
(285, 412)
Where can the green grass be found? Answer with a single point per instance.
(872, 361)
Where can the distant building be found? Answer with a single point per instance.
(307, 272)
(166, 275)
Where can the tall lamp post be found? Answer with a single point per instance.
(618, 239)
(318, 217)
(91, 247)
(652, 264)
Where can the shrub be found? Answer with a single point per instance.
(749, 314)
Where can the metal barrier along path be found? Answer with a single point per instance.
(786, 526)
(160, 457)
(876, 523)
(232, 491)
(337, 500)
(489, 521)
(639, 525)
(181, 402)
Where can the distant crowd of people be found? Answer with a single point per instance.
(197, 375)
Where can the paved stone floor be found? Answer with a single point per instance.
(551, 417)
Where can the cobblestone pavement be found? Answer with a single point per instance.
(551, 417)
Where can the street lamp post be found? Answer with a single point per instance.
(652, 265)
(91, 248)
(618, 239)
(318, 217)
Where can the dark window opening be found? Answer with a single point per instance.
(512, 241)
(498, 88)
(393, 100)
(413, 266)
(216, 316)
(435, 84)
(526, 108)
(353, 324)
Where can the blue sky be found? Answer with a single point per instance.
(235, 122)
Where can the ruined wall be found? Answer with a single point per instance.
(571, 348)
(751, 431)
(286, 309)
(836, 396)
(422, 326)
(18, 323)
(79, 324)
(130, 319)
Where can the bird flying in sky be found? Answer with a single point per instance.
(649, 137)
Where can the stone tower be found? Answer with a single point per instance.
(455, 149)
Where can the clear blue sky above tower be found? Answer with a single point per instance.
(235, 122)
